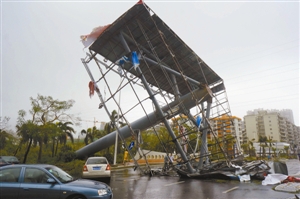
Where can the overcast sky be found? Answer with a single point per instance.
(253, 46)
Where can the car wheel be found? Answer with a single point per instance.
(77, 197)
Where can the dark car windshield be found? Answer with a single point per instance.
(60, 174)
(10, 159)
(96, 161)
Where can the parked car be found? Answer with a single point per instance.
(20, 181)
(96, 167)
(10, 159)
(3, 163)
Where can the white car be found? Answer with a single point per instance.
(96, 167)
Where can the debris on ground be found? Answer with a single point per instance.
(291, 187)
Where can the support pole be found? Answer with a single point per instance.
(204, 149)
(118, 118)
(165, 121)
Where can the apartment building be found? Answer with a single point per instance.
(272, 124)
(228, 125)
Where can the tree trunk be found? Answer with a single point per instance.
(53, 147)
(56, 147)
(16, 151)
(27, 151)
(40, 152)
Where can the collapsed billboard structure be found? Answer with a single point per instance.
(171, 86)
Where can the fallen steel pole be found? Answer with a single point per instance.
(188, 101)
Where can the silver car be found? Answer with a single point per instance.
(96, 167)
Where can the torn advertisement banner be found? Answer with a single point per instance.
(89, 39)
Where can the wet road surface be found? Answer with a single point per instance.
(128, 184)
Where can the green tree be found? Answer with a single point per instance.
(286, 148)
(62, 133)
(269, 143)
(28, 132)
(252, 151)
(261, 139)
(44, 111)
(5, 137)
(245, 147)
(67, 131)
(111, 125)
(90, 134)
(66, 154)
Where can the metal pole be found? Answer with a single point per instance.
(204, 150)
(117, 134)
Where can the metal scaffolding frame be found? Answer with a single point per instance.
(151, 59)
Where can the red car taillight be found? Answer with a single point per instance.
(85, 168)
(108, 167)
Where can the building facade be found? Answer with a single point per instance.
(272, 124)
(228, 125)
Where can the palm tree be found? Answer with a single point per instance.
(57, 132)
(89, 134)
(269, 143)
(28, 132)
(261, 140)
(110, 126)
(245, 147)
(41, 139)
(66, 132)
(286, 148)
(251, 148)
(274, 151)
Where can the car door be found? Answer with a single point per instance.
(9, 182)
(35, 186)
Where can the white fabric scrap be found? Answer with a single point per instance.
(272, 179)
(244, 178)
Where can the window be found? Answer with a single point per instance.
(10, 174)
(34, 175)
(99, 160)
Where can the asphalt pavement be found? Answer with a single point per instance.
(127, 183)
